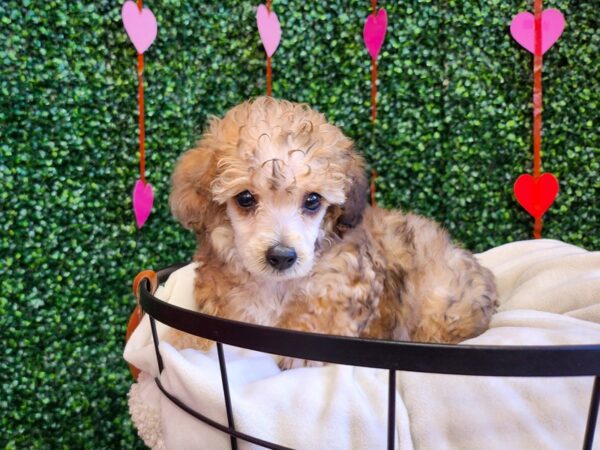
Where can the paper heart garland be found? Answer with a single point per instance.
(268, 29)
(140, 25)
(374, 32)
(143, 199)
(536, 195)
(522, 28)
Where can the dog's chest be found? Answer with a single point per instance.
(258, 302)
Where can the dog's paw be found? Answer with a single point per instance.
(286, 363)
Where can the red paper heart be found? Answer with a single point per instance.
(536, 195)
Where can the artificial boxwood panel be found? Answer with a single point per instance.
(453, 133)
(488, 111)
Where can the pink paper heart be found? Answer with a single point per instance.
(522, 28)
(269, 29)
(143, 198)
(374, 32)
(140, 25)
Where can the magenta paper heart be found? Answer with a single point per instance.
(374, 32)
(522, 29)
(140, 25)
(269, 29)
(143, 198)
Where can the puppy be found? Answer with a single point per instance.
(277, 199)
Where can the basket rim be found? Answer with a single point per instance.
(481, 360)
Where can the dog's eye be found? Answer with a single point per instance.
(245, 199)
(312, 202)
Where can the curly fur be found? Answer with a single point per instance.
(361, 270)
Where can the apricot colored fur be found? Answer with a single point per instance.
(361, 270)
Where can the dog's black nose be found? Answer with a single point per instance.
(281, 257)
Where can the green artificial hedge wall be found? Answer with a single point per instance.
(453, 134)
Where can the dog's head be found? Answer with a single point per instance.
(267, 184)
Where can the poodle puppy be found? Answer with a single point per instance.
(277, 199)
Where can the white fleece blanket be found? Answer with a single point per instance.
(549, 294)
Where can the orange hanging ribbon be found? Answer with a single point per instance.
(537, 105)
(269, 74)
(373, 90)
(140, 72)
(269, 88)
(373, 75)
(373, 106)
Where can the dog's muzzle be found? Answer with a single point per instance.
(281, 257)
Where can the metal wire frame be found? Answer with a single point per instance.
(503, 361)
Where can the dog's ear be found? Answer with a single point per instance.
(191, 200)
(356, 195)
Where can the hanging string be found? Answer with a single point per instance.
(269, 72)
(140, 72)
(373, 108)
(141, 27)
(373, 75)
(373, 89)
(537, 105)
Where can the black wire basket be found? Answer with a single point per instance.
(494, 361)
